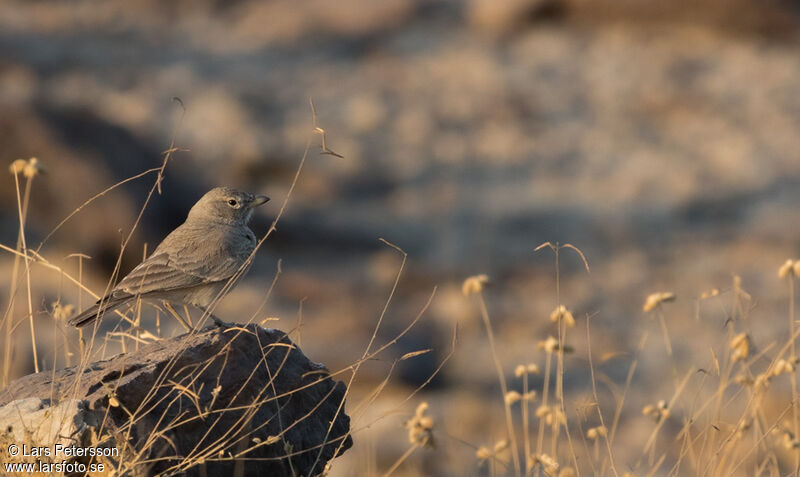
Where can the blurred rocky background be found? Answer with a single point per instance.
(661, 138)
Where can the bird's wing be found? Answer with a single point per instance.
(184, 260)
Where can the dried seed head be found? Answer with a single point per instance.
(18, 166)
(522, 369)
(556, 314)
(483, 453)
(658, 412)
(426, 423)
(33, 168)
(420, 427)
(762, 381)
(62, 312)
(655, 299)
(474, 284)
(562, 313)
(709, 294)
(786, 268)
(519, 371)
(550, 345)
(548, 463)
(530, 396)
(500, 446)
(30, 168)
(552, 416)
(512, 397)
(595, 432)
(740, 344)
(783, 366)
(569, 319)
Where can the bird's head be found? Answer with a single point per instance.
(227, 205)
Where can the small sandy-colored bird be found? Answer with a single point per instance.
(193, 264)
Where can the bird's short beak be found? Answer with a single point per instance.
(259, 200)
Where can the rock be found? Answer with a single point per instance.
(198, 404)
(36, 420)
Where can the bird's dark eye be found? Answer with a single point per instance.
(232, 202)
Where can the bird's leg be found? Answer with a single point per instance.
(178, 317)
(188, 316)
(217, 321)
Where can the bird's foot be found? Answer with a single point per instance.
(221, 324)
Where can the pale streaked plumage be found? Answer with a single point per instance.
(195, 261)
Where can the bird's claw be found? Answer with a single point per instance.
(220, 323)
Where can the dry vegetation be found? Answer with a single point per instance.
(129, 333)
(733, 414)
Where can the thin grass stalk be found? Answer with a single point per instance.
(22, 208)
(7, 318)
(400, 461)
(502, 378)
(597, 401)
(545, 396)
(793, 376)
(525, 423)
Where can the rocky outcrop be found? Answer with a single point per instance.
(204, 403)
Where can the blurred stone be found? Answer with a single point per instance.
(17, 85)
(506, 16)
(247, 391)
(365, 112)
(290, 22)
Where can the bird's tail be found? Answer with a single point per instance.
(100, 308)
